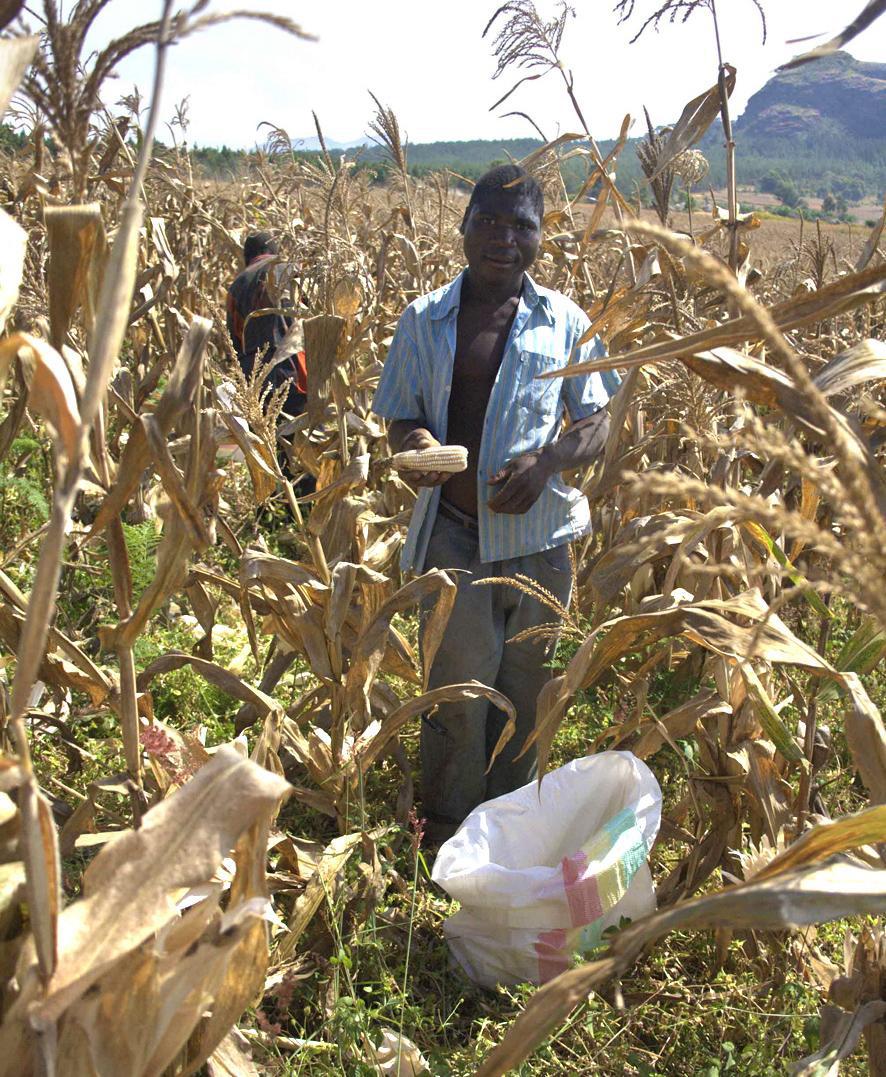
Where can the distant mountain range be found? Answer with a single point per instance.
(312, 144)
(832, 98)
(822, 127)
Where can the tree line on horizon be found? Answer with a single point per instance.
(846, 168)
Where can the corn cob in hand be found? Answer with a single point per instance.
(444, 458)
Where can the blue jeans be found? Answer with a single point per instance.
(457, 740)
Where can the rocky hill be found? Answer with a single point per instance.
(834, 97)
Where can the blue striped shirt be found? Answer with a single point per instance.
(523, 413)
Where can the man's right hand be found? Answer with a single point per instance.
(421, 439)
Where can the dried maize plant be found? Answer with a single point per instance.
(689, 566)
(334, 607)
(164, 934)
(660, 177)
(690, 167)
(740, 492)
(736, 485)
(855, 1006)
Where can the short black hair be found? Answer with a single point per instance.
(508, 177)
(258, 243)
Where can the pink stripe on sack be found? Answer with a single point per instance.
(582, 892)
(550, 948)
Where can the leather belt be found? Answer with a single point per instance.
(457, 516)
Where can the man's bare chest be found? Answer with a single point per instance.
(480, 348)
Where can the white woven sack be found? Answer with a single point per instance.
(542, 872)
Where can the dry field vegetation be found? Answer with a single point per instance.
(210, 686)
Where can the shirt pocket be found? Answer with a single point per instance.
(541, 398)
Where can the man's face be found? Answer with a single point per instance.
(502, 234)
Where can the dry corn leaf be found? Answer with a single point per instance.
(774, 798)
(324, 340)
(841, 295)
(696, 117)
(863, 362)
(344, 580)
(641, 540)
(177, 544)
(130, 889)
(258, 457)
(15, 55)
(39, 847)
(177, 397)
(13, 242)
(426, 704)
(676, 724)
(398, 1056)
(339, 609)
(320, 888)
(216, 675)
(354, 474)
(230, 1058)
(768, 716)
(257, 566)
(347, 297)
(434, 626)
(866, 737)
(244, 972)
(112, 309)
(844, 1033)
(80, 675)
(372, 644)
(762, 384)
(871, 11)
(302, 630)
(157, 996)
(77, 250)
(174, 484)
(767, 638)
(51, 390)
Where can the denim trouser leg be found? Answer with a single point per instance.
(453, 739)
(457, 740)
(524, 668)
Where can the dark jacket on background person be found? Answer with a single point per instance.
(252, 336)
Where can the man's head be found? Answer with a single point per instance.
(511, 179)
(258, 243)
(502, 226)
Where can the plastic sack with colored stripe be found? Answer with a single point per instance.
(542, 872)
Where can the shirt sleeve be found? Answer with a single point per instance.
(586, 394)
(399, 394)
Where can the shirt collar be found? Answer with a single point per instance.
(531, 296)
(535, 298)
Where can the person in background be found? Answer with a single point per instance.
(464, 368)
(255, 334)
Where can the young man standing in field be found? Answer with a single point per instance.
(463, 369)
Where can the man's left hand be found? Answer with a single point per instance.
(520, 483)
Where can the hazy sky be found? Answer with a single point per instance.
(426, 59)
